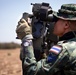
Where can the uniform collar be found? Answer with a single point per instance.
(67, 36)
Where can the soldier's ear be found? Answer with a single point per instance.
(67, 24)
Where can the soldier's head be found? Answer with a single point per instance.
(65, 19)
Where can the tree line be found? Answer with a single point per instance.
(10, 45)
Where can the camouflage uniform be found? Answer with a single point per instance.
(62, 62)
(62, 57)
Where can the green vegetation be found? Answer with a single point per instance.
(10, 45)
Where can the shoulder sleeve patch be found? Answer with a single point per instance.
(27, 43)
(55, 49)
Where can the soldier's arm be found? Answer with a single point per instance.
(30, 65)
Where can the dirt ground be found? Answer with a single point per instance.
(10, 63)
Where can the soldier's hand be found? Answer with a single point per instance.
(23, 29)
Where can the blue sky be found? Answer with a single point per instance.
(10, 11)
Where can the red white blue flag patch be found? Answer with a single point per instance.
(55, 49)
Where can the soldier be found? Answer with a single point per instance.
(62, 57)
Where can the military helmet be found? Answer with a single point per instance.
(67, 12)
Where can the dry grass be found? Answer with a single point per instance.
(10, 63)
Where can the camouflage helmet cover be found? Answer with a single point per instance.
(67, 12)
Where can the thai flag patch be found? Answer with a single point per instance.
(55, 49)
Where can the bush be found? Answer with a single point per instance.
(10, 45)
